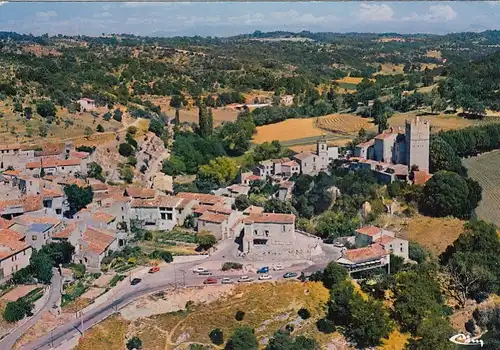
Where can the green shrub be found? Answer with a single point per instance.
(240, 315)
(216, 336)
(17, 310)
(134, 343)
(231, 266)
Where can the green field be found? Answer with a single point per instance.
(484, 169)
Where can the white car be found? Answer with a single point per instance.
(245, 279)
(265, 277)
(199, 269)
(278, 267)
(226, 280)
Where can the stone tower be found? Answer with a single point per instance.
(417, 143)
(322, 152)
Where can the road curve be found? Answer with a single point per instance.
(54, 294)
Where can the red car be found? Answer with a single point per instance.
(210, 281)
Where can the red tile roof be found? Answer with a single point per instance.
(29, 203)
(385, 240)
(53, 162)
(77, 154)
(202, 197)
(159, 201)
(30, 219)
(213, 217)
(287, 184)
(6, 147)
(270, 218)
(374, 252)
(369, 230)
(291, 163)
(52, 192)
(421, 177)
(11, 172)
(10, 243)
(103, 217)
(302, 155)
(385, 135)
(99, 186)
(64, 233)
(4, 223)
(253, 178)
(139, 192)
(253, 210)
(97, 240)
(366, 144)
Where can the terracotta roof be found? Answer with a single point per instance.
(287, 184)
(99, 186)
(302, 155)
(6, 147)
(29, 219)
(385, 135)
(213, 217)
(4, 223)
(97, 240)
(53, 162)
(421, 177)
(86, 99)
(159, 201)
(369, 230)
(71, 181)
(366, 144)
(238, 188)
(281, 160)
(291, 163)
(48, 152)
(201, 197)
(253, 178)
(10, 235)
(32, 203)
(64, 233)
(184, 202)
(77, 154)
(9, 245)
(253, 210)
(376, 251)
(103, 217)
(271, 218)
(385, 239)
(11, 172)
(139, 192)
(52, 192)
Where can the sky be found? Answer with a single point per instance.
(232, 18)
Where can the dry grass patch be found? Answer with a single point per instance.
(290, 129)
(438, 122)
(434, 54)
(434, 233)
(109, 334)
(312, 147)
(344, 123)
(390, 68)
(395, 341)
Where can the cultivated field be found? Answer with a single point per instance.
(484, 169)
(344, 123)
(290, 129)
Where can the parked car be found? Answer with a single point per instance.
(199, 269)
(210, 281)
(226, 280)
(154, 269)
(204, 273)
(290, 275)
(338, 245)
(135, 281)
(245, 279)
(278, 267)
(264, 269)
(265, 277)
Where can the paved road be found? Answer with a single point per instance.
(54, 295)
(149, 284)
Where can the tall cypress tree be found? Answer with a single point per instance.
(210, 122)
(205, 121)
(177, 119)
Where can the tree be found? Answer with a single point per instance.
(433, 333)
(222, 170)
(132, 161)
(43, 130)
(206, 240)
(205, 121)
(177, 119)
(117, 115)
(16, 310)
(173, 166)
(125, 150)
(333, 275)
(99, 128)
(216, 336)
(243, 338)
(134, 343)
(443, 157)
(78, 197)
(335, 224)
(242, 202)
(127, 173)
(281, 340)
(46, 108)
(338, 306)
(369, 322)
(59, 253)
(467, 277)
(94, 171)
(417, 253)
(41, 266)
(28, 112)
(446, 194)
(177, 101)
(156, 126)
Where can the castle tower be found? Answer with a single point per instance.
(322, 147)
(417, 143)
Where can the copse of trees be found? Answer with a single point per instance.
(472, 140)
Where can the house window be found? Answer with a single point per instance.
(401, 248)
(169, 216)
(163, 216)
(58, 211)
(267, 233)
(255, 233)
(283, 228)
(33, 237)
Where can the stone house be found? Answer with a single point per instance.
(285, 190)
(232, 191)
(14, 156)
(216, 220)
(368, 235)
(116, 204)
(93, 245)
(158, 213)
(86, 104)
(37, 230)
(14, 253)
(366, 258)
(263, 230)
(54, 166)
(290, 168)
(313, 163)
(206, 199)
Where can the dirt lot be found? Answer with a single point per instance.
(18, 292)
